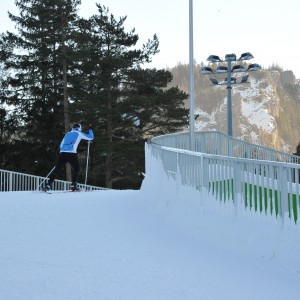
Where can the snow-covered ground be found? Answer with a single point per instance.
(137, 245)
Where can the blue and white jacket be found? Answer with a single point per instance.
(72, 139)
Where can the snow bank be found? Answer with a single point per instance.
(164, 242)
(236, 228)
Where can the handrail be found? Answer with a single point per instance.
(15, 181)
(214, 142)
(259, 178)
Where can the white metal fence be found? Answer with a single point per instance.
(217, 143)
(14, 181)
(261, 179)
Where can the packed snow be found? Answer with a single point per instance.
(158, 243)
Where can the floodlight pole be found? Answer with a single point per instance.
(192, 77)
(229, 101)
(229, 81)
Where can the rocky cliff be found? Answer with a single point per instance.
(266, 110)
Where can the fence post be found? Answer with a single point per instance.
(237, 182)
(177, 174)
(230, 152)
(10, 184)
(283, 193)
(37, 183)
(205, 172)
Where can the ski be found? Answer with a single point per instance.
(41, 191)
(58, 192)
(66, 191)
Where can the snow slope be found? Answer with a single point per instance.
(134, 245)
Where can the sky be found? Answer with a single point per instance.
(269, 29)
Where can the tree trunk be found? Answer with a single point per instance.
(65, 91)
(108, 161)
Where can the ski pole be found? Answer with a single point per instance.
(46, 178)
(87, 163)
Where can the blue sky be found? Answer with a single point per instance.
(269, 29)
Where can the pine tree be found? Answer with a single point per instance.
(62, 69)
(125, 102)
(147, 108)
(36, 58)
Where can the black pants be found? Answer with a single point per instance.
(66, 157)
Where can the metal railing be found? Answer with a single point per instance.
(14, 181)
(217, 143)
(261, 179)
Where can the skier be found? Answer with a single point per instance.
(68, 154)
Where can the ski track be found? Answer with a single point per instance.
(115, 245)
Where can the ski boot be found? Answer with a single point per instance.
(47, 188)
(74, 187)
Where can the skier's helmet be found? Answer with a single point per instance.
(77, 126)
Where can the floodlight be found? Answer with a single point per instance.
(225, 68)
(245, 78)
(238, 68)
(246, 56)
(214, 81)
(206, 70)
(254, 67)
(221, 70)
(230, 57)
(233, 80)
(214, 58)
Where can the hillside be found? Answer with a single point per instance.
(265, 112)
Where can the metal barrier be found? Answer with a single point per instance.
(217, 143)
(15, 181)
(261, 179)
